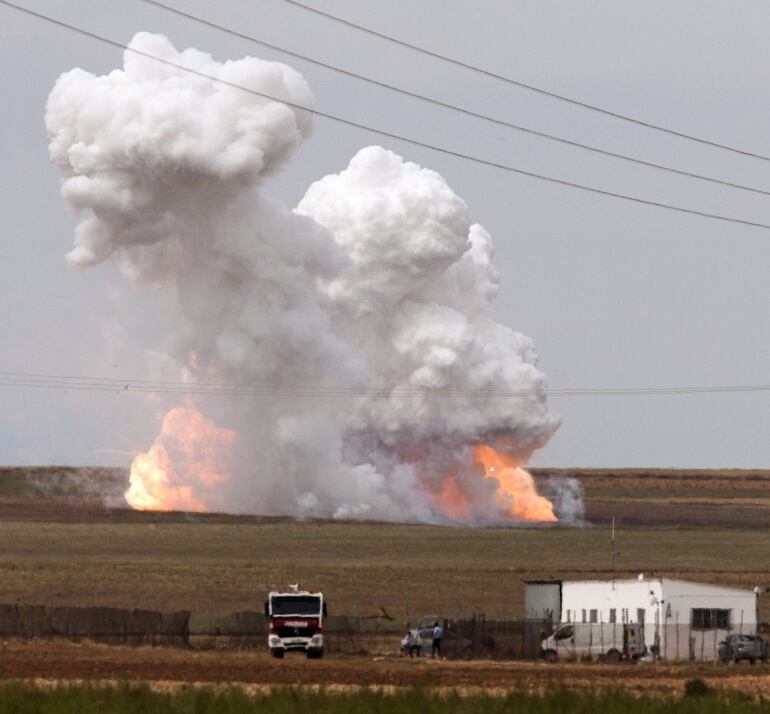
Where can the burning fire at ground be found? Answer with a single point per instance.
(185, 466)
(517, 497)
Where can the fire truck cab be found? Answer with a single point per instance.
(296, 622)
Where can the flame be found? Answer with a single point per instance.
(191, 458)
(516, 495)
(453, 500)
(184, 467)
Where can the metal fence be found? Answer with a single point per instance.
(478, 637)
(464, 638)
(107, 624)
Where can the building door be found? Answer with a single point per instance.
(633, 641)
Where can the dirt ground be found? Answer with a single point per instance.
(55, 661)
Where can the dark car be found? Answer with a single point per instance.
(737, 647)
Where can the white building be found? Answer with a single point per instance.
(681, 619)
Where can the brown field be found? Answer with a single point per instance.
(62, 546)
(737, 498)
(86, 661)
(219, 564)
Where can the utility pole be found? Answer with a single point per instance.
(613, 553)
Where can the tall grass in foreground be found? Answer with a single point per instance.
(84, 699)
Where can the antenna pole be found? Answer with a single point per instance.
(612, 545)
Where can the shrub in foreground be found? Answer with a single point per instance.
(132, 699)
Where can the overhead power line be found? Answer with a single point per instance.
(453, 107)
(524, 85)
(232, 389)
(391, 135)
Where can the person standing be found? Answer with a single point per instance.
(405, 641)
(438, 633)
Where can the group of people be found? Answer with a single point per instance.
(411, 644)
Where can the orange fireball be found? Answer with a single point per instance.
(516, 495)
(453, 500)
(185, 466)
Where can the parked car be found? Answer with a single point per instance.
(571, 642)
(737, 647)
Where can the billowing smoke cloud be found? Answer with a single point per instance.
(566, 494)
(361, 319)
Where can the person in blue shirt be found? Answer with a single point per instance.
(438, 633)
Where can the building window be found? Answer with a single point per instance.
(625, 614)
(710, 618)
(613, 616)
(593, 616)
(569, 615)
(640, 615)
(584, 615)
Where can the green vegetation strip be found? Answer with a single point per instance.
(85, 699)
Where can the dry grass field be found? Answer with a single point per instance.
(738, 498)
(59, 661)
(226, 565)
(59, 544)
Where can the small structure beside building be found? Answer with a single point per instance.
(671, 619)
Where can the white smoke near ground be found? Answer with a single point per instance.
(362, 318)
(566, 494)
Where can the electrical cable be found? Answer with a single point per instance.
(524, 85)
(113, 384)
(392, 135)
(453, 107)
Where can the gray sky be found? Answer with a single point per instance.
(614, 294)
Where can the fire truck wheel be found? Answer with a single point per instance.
(612, 657)
(551, 656)
(278, 654)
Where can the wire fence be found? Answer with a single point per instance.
(473, 637)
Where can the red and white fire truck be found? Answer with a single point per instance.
(296, 622)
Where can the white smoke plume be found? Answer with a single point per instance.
(566, 493)
(363, 316)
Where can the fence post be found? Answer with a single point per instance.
(601, 635)
(461, 636)
(358, 612)
(524, 638)
(702, 640)
(677, 634)
(211, 615)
